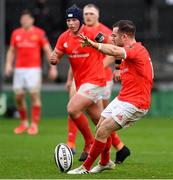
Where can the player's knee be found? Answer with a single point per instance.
(72, 112)
(35, 99)
(19, 98)
(101, 133)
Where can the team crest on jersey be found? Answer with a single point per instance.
(65, 45)
(18, 38)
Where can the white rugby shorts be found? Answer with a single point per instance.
(123, 113)
(107, 90)
(27, 78)
(91, 91)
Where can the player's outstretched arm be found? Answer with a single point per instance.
(109, 49)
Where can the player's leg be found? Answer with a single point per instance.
(18, 85)
(122, 151)
(72, 129)
(22, 109)
(76, 105)
(71, 134)
(35, 112)
(118, 114)
(104, 131)
(105, 128)
(94, 111)
(105, 162)
(33, 84)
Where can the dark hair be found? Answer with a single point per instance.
(126, 26)
(27, 12)
(92, 5)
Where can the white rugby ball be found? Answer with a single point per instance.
(63, 157)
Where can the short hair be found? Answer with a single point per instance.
(26, 12)
(92, 6)
(126, 26)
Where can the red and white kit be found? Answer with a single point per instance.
(101, 28)
(27, 45)
(86, 63)
(134, 98)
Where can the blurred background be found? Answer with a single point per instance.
(154, 22)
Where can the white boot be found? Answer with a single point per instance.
(99, 168)
(79, 170)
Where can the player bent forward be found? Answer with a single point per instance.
(134, 98)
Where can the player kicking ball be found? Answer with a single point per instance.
(134, 98)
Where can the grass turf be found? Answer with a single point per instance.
(24, 156)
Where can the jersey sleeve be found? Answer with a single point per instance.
(60, 44)
(107, 35)
(130, 53)
(12, 40)
(43, 39)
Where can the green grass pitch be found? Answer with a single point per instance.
(24, 156)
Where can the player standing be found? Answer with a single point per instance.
(92, 24)
(134, 98)
(88, 72)
(25, 46)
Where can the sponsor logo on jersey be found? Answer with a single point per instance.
(34, 37)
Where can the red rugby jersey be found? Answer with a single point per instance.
(101, 28)
(137, 77)
(86, 62)
(28, 46)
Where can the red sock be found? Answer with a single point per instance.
(83, 125)
(115, 139)
(36, 110)
(95, 151)
(23, 114)
(105, 155)
(72, 132)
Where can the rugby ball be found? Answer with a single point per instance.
(63, 157)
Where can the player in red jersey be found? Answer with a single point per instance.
(88, 72)
(91, 20)
(26, 43)
(134, 98)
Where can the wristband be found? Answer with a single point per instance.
(99, 46)
(118, 61)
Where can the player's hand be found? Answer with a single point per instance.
(53, 73)
(53, 60)
(68, 85)
(8, 70)
(85, 41)
(117, 75)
